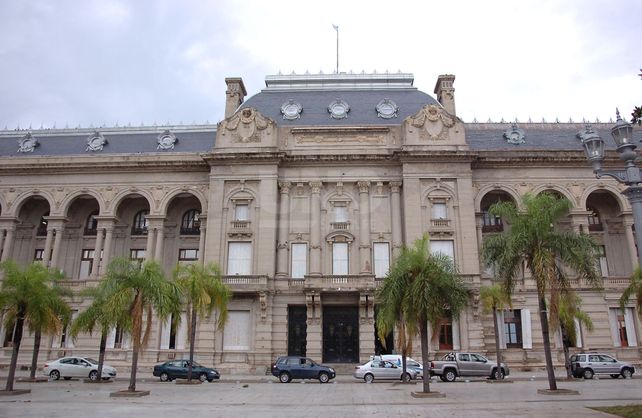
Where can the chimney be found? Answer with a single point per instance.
(234, 95)
(446, 92)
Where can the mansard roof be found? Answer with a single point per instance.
(361, 92)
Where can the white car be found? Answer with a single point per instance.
(380, 369)
(410, 363)
(83, 367)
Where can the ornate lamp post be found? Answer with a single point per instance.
(622, 134)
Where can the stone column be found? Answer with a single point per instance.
(160, 236)
(48, 243)
(98, 248)
(151, 239)
(315, 228)
(8, 242)
(201, 238)
(630, 240)
(479, 224)
(395, 187)
(59, 233)
(364, 227)
(109, 235)
(284, 227)
(2, 233)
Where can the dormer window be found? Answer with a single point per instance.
(141, 223)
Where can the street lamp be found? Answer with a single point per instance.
(622, 134)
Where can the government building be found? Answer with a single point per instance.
(303, 195)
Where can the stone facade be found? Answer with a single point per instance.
(304, 206)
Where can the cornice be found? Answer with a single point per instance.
(499, 159)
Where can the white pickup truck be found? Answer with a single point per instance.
(453, 365)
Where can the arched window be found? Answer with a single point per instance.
(91, 226)
(594, 221)
(191, 224)
(42, 226)
(140, 223)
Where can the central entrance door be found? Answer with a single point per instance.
(340, 334)
(297, 330)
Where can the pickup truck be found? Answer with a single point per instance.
(453, 365)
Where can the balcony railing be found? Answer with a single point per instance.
(240, 224)
(191, 231)
(493, 228)
(246, 283)
(340, 226)
(440, 223)
(595, 227)
(356, 282)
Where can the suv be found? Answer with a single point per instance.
(287, 368)
(588, 364)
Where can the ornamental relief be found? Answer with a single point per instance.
(340, 138)
(247, 125)
(433, 122)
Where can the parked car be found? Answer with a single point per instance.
(453, 365)
(382, 370)
(83, 367)
(287, 368)
(396, 359)
(177, 369)
(587, 365)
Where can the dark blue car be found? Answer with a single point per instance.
(287, 368)
(177, 369)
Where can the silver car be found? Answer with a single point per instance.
(587, 365)
(68, 367)
(382, 370)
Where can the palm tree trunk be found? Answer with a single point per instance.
(101, 353)
(17, 338)
(497, 347)
(552, 384)
(36, 350)
(136, 336)
(192, 338)
(424, 354)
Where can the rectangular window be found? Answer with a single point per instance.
(340, 258)
(137, 254)
(86, 262)
(439, 211)
(187, 255)
(444, 247)
(446, 334)
(299, 260)
(39, 254)
(239, 258)
(242, 212)
(603, 264)
(513, 328)
(341, 214)
(118, 337)
(236, 334)
(381, 259)
(622, 324)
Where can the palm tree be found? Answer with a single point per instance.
(97, 316)
(428, 289)
(495, 298)
(203, 291)
(532, 236)
(568, 314)
(634, 289)
(28, 296)
(144, 290)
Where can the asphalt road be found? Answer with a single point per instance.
(342, 398)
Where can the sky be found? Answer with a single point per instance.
(91, 63)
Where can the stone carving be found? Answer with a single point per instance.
(284, 186)
(395, 186)
(27, 143)
(95, 142)
(264, 303)
(338, 109)
(434, 122)
(291, 110)
(364, 186)
(166, 140)
(387, 109)
(246, 124)
(515, 135)
(316, 187)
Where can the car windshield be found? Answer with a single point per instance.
(195, 364)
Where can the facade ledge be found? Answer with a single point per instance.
(246, 283)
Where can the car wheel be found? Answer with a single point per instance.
(588, 374)
(54, 375)
(406, 377)
(627, 373)
(450, 375)
(443, 378)
(368, 378)
(498, 375)
(202, 377)
(93, 375)
(323, 377)
(285, 377)
(164, 377)
(615, 376)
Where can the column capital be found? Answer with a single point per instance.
(364, 186)
(316, 186)
(395, 186)
(284, 187)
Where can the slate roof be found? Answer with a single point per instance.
(56, 142)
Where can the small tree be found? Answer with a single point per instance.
(30, 295)
(568, 314)
(633, 289)
(144, 289)
(101, 317)
(495, 298)
(203, 291)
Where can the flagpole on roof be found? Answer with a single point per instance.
(336, 28)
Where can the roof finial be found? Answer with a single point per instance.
(617, 114)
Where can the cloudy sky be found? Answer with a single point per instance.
(108, 62)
